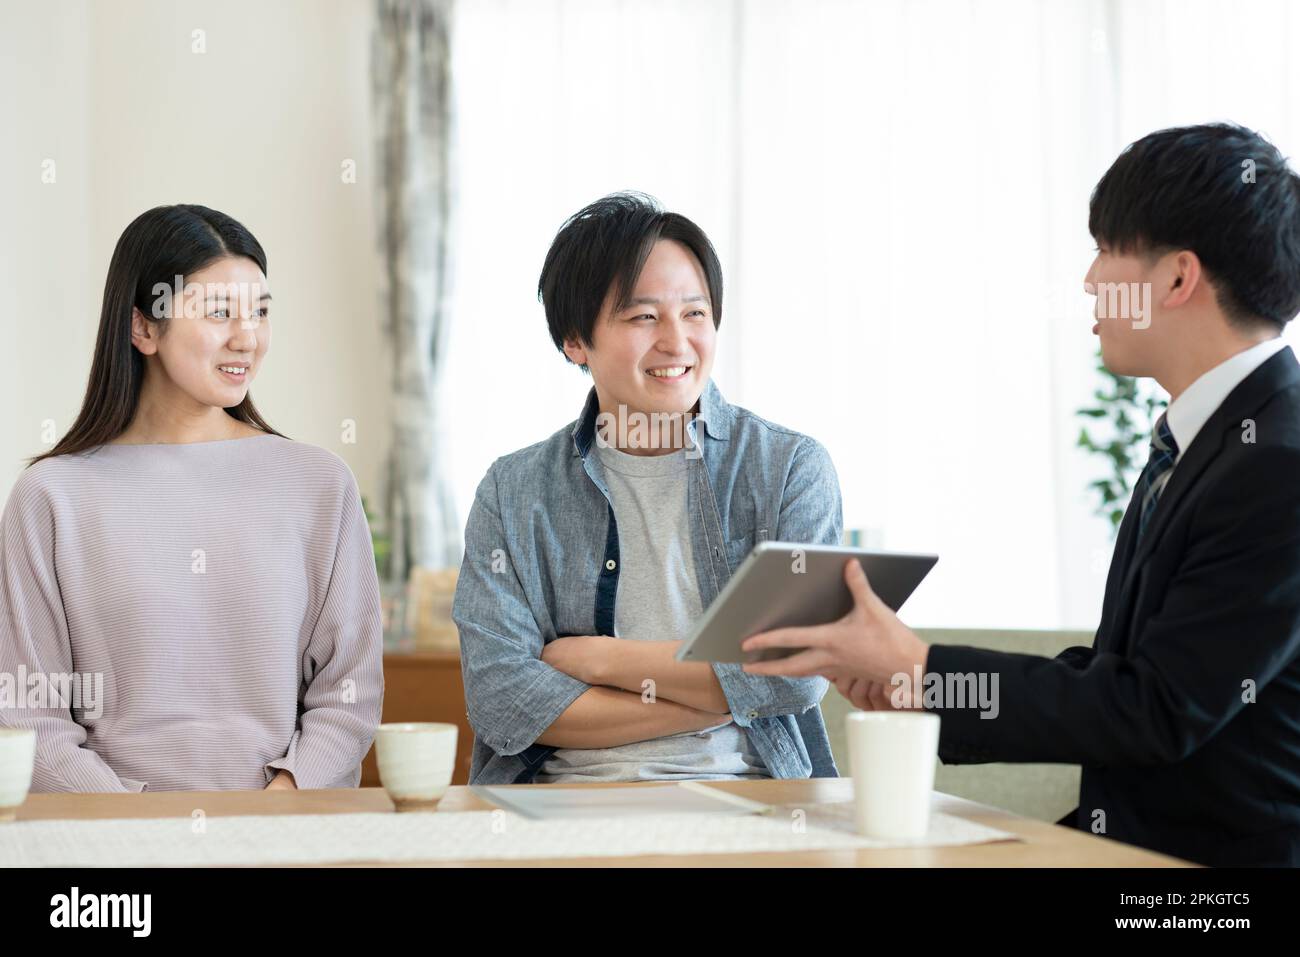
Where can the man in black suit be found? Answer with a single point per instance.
(1185, 713)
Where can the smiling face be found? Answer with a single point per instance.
(209, 351)
(654, 355)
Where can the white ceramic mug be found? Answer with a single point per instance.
(17, 758)
(416, 761)
(893, 756)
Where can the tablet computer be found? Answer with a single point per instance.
(784, 585)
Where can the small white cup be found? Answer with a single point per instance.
(416, 761)
(17, 758)
(893, 755)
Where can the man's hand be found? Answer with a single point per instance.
(283, 781)
(864, 694)
(868, 645)
(580, 656)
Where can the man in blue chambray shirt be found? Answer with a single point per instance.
(590, 555)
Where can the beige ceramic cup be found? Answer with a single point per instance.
(416, 761)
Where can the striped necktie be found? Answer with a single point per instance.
(1164, 452)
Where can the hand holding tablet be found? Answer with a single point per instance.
(789, 585)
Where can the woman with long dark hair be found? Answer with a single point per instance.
(190, 596)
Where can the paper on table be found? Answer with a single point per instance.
(552, 801)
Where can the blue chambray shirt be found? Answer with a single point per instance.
(541, 562)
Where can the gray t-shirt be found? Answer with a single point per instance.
(658, 599)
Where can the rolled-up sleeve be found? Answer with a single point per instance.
(511, 695)
(811, 513)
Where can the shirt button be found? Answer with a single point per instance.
(611, 565)
(753, 715)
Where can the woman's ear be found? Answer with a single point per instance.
(144, 336)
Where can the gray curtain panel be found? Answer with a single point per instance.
(411, 80)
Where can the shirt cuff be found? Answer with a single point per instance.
(285, 763)
(751, 697)
(537, 708)
(963, 737)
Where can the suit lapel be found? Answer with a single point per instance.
(1278, 372)
(1207, 444)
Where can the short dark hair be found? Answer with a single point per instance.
(604, 246)
(1225, 193)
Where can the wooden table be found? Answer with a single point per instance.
(1043, 845)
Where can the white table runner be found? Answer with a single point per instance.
(444, 836)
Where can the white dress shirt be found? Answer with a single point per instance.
(1191, 410)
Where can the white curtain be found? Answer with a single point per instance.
(898, 192)
(414, 117)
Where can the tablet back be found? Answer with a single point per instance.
(782, 584)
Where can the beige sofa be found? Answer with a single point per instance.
(1043, 791)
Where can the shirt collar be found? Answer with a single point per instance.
(715, 415)
(1192, 409)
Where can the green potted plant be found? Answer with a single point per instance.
(1126, 411)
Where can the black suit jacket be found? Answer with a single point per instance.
(1185, 714)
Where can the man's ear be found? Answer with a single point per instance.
(576, 352)
(1183, 279)
(144, 336)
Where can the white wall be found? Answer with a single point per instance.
(44, 242)
(257, 127)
